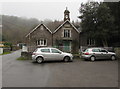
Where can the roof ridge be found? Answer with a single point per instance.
(37, 27)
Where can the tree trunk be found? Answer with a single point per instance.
(104, 42)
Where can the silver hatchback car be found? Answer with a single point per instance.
(98, 53)
(48, 53)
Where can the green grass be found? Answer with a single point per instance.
(4, 53)
(23, 58)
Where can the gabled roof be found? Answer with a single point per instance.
(63, 24)
(37, 27)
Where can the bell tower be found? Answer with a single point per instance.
(66, 15)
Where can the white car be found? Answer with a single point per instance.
(49, 53)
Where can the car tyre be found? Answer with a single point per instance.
(66, 59)
(92, 58)
(39, 60)
(113, 57)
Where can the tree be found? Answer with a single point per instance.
(15, 28)
(97, 21)
(115, 11)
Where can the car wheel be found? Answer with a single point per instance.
(92, 58)
(113, 57)
(39, 60)
(66, 59)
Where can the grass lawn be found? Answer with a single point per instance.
(5, 53)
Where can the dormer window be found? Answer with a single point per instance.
(67, 33)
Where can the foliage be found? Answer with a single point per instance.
(6, 44)
(97, 21)
(4, 53)
(15, 28)
(115, 11)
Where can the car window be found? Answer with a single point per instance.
(55, 51)
(86, 50)
(95, 50)
(36, 50)
(45, 50)
(103, 50)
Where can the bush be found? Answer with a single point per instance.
(117, 51)
(6, 44)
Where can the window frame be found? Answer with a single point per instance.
(91, 41)
(45, 51)
(55, 52)
(67, 33)
(93, 50)
(41, 42)
(104, 50)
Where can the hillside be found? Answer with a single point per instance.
(15, 28)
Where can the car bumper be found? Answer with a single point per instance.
(86, 56)
(71, 58)
(33, 57)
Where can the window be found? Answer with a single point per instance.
(95, 50)
(45, 50)
(42, 42)
(86, 50)
(91, 41)
(55, 51)
(67, 33)
(103, 50)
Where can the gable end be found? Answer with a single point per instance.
(63, 24)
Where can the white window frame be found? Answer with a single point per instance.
(67, 33)
(91, 41)
(41, 42)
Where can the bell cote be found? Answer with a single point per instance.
(66, 15)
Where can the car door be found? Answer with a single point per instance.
(96, 52)
(56, 54)
(104, 54)
(45, 52)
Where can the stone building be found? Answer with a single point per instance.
(65, 36)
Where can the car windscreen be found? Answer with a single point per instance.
(36, 50)
(86, 50)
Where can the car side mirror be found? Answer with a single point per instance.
(106, 51)
(59, 52)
